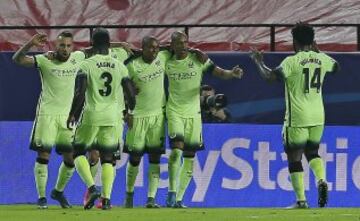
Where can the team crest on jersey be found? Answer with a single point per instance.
(114, 56)
(157, 63)
(191, 64)
(172, 136)
(73, 61)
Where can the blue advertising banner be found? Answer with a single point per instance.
(242, 166)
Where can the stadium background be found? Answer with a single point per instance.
(241, 160)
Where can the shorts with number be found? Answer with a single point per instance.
(146, 136)
(187, 130)
(104, 138)
(49, 131)
(302, 137)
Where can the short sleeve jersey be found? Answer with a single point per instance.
(57, 82)
(104, 99)
(303, 74)
(149, 79)
(185, 78)
(119, 54)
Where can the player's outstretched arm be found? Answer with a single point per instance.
(200, 55)
(79, 98)
(129, 93)
(265, 72)
(20, 56)
(236, 72)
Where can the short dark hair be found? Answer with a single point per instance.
(303, 33)
(65, 34)
(100, 37)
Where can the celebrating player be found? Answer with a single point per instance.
(303, 75)
(58, 80)
(100, 81)
(147, 124)
(185, 72)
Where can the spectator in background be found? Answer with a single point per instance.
(213, 106)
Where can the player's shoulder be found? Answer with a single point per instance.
(118, 50)
(40, 56)
(289, 60)
(78, 53)
(133, 59)
(326, 56)
(76, 57)
(117, 63)
(164, 53)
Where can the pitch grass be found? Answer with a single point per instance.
(54, 213)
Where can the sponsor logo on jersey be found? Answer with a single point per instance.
(182, 75)
(191, 64)
(63, 72)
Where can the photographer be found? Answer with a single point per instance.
(213, 106)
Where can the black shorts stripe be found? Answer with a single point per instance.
(287, 137)
(289, 103)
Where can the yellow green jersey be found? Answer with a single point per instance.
(57, 83)
(185, 78)
(303, 74)
(104, 98)
(149, 79)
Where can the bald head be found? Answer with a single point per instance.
(150, 48)
(148, 40)
(178, 34)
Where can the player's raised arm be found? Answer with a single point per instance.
(79, 98)
(265, 72)
(20, 56)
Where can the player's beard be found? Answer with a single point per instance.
(62, 56)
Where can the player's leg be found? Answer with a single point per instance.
(294, 142)
(134, 146)
(316, 163)
(176, 129)
(153, 179)
(116, 155)
(94, 162)
(155, 138)
(132, 170)
(84, 137)
(67, 167)
(41, 177)
(186, 173)
(193, 143)
(42, 139)
(107, 145)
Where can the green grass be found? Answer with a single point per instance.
(30, 212)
